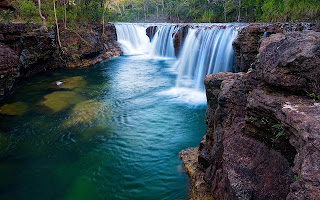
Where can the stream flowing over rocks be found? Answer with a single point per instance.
(262, 139)
(27, 49)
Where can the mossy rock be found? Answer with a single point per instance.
(17, 108)
(84, 112)
(60, 100)
(70, 83)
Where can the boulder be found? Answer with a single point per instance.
(291, 61)
(246, 46)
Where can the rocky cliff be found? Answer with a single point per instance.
(262, 139)
(27, 49)
(247, 44)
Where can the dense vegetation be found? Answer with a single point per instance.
(78, 13)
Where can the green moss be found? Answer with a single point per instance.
(17, 108)
(58, 101)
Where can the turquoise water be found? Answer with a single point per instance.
(111, 131)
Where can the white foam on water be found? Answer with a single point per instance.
(185, 95)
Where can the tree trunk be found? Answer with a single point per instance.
(239, 13)
(65, 14)
(119, 9)
(40, 14)
(57, 25)
(162, 2)
(157, 12)
(103, 13)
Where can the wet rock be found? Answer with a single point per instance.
(17, 108)
(58, 101)
(179, 37)
(199, 189)
(151, 31)
(70, 83)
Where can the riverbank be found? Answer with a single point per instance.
(27, 49)
(262, 139)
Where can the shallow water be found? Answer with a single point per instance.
(113, 132)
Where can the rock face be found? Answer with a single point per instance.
(151, 31)
(247, 44)
(262, 140)
(179, 38)
(26, 49)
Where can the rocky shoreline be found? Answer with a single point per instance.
(262, 139)
(27, 49)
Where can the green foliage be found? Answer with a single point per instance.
(279, 130)
(5, 16)
(314, 96)
(27, 9)
(80, 13)
(295, 178)
(272, 10)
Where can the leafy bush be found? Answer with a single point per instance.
(26, 9)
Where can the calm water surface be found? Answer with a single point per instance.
(110, 131)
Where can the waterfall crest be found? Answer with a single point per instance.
(132, 38)
(207, 48)
(162, 42)
(205, 51)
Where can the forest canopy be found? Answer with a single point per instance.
(77, 13)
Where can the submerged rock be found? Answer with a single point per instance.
(57, 101)
(84, 112)
(70, 83)
(17, 108)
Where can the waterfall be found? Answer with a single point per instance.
(162, 42)
(205, 51)
(132, 38)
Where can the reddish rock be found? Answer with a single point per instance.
(179, 37)
(247, 44)
(291, 61)
(262, 139)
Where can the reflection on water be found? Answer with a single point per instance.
(105, 132)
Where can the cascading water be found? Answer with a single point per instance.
(132, 38)
(162, 43)
(205, 51)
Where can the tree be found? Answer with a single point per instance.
(40, 13)
(57, 25)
